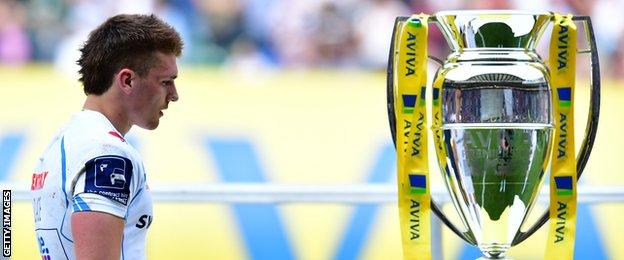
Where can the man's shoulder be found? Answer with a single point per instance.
(87, 135)
(99, 142)
(99, 145)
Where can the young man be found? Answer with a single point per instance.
(90, 196)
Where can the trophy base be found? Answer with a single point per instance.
(498, 258)
(494, 251)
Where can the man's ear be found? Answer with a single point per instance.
(124, 79)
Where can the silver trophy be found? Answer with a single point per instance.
(497, 121)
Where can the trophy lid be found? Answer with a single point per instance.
(507, 29)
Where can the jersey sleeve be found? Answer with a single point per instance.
(106, 183)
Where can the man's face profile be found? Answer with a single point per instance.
(152, 92)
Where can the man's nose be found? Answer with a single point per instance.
(173, 95)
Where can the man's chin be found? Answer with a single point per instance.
(150, 125)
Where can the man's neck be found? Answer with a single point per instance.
(111, 109)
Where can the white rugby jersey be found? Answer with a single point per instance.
(89, 166)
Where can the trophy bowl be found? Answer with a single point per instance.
(496, 127)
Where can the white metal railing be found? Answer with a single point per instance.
(291, 193)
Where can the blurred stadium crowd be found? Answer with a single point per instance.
(270, 33)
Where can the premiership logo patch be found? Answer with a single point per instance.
(563, 185)
(436, 96)
(418, 183)
(109, 176)
(565, 96)
(409, 101)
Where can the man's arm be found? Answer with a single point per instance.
(97, 235)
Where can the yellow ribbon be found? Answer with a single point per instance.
(411, 121)
(562, 63)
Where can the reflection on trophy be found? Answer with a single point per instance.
(501, 120)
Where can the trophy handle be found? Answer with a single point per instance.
(592, 120)
(466, 236)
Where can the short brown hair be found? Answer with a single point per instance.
(124, 41)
